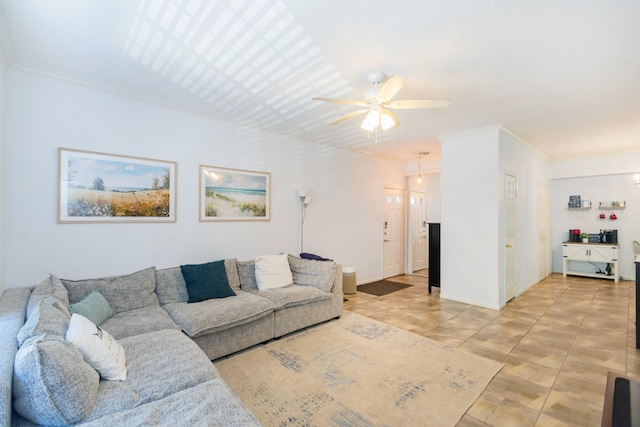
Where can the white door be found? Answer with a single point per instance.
(393, 233)
(418, 222)
(511, 187)
(543, 206)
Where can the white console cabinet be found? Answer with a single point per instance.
(606, 253)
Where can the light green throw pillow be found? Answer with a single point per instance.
(94, 307)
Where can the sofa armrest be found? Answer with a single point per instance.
(13, 311)
(337, 280)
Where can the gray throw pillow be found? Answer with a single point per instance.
(170, 286)
(319, 274)
(232, 273)
(123, 293)
(52, 384)
(247, 275)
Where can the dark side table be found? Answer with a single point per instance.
(637, 301)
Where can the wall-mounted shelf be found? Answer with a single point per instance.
(577, 204)
(608, 206)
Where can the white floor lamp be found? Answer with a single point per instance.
(304, 198)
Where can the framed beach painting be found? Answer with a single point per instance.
(234, 195)
(99, 187)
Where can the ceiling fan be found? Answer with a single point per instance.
(378, 102)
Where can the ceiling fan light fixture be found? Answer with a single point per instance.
(371, 121)
(387, 121)
(378, 105)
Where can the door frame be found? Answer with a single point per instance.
(409, 232)
(505, 258)
(543, 231)
(404, 228)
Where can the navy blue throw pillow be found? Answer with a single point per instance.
(206, 281)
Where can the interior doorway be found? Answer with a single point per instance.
(418, 232)
(393, 232)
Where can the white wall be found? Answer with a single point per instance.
(3, 169)
(611, 164)
(343, 221)
(532, 172)
(434, 196)
(431, 187)
(474, 165)
(470, 225)
(605, 188)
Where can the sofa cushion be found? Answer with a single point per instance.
(50, 317)
(273, 271)
(94, 307)
(247, 275)
(159, 364)
(139, 321)
(51, 286)
(206, 281)
(219, 314)
(170, 285)
(52, 384)
(126, 292)
(318, 274)
(294, 295)
(211, 404)
(98, 347)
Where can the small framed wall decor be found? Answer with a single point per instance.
(99, 187)
(234, 195)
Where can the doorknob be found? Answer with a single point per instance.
(509, 245)
(386, 241)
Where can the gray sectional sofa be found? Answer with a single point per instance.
(168, 342)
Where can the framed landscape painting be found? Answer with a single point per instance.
(99, 187)
(234, 195)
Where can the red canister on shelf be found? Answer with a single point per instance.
(574, 235)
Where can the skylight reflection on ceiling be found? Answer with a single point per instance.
(243, 57)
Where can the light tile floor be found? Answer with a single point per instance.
(557, 342)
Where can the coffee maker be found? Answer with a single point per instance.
(610, 236)
(574, 235)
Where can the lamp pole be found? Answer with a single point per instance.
(304, 202)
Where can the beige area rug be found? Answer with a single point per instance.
(356, 371)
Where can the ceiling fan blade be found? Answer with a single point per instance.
(349, 116)
(390, 88)
(418, 103)
(342, 101)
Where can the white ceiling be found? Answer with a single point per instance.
(562, 75)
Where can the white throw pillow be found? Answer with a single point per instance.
(273, 271)
(98, 347)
